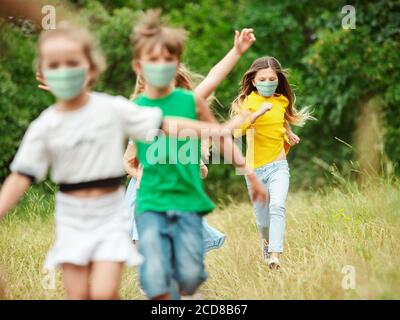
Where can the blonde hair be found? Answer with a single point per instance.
(150, 32)
(90, 46)
(292, 115)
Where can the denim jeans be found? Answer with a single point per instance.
(213, 238)
(130, 198)
(270, 218)
(172, 245)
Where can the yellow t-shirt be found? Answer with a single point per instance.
(266, 141)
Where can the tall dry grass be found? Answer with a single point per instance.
(326, 231)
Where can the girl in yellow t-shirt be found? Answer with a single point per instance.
(266, 92)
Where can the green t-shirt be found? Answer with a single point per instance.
(171, 171)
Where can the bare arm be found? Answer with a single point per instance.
(251, 119)
(183, 127)
(265, 107)
(243, 42)
(128, 160)
(13, 189)
(293, 138)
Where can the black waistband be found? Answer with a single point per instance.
(103, 183)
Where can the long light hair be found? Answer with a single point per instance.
(292, 115)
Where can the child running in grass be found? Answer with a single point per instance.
(81, 137)
(185, 79)
(171, 201)
(266, 93)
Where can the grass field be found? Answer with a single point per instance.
(326, 231)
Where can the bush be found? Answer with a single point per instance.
(332, 70)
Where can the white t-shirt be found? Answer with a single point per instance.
(86, 144)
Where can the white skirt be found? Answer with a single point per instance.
(92, 229)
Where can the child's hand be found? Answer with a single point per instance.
(258, 192)
(293, 138)
(244, 40)
(265, 107)
(42, 84)
(203, 171)
(132, 173)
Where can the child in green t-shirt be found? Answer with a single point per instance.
(171, 200)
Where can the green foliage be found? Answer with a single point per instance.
(335, 71)
(349, 67)
(20, 101)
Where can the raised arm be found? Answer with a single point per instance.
(13, 189)
(243, 41)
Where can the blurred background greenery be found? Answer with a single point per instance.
(350, 78)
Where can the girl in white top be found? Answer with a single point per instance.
(81, 138)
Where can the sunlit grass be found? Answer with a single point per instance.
(325, 232)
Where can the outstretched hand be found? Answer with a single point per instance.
(42, 84)
(244, 40)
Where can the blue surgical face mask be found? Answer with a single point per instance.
(266, 88)
(159, 75)
(65, 83)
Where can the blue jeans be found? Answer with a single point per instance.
(130, 198)
(173, 248)
(270, 218)
(213, 238)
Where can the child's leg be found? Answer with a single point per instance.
(105, 280)
(188, 248)
(76, 281)
(278, 190)
(155, 247)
